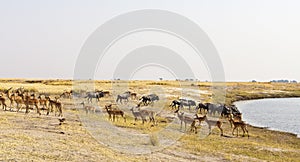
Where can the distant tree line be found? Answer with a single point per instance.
(283, 81)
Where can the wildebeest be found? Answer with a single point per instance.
(226, 111)
(230, 110)
(202, 106)
(235, 110)
(123, 96)
(96, 95)
(175, 103)
(214, 108)
(153, 97)
(222, 109)
(146, 100)
(186, 102)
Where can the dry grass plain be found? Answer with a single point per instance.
(30, 137)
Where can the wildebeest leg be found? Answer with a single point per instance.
(143, 120)
(209, 127)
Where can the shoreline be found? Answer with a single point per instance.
(274, 130)
(270, 128)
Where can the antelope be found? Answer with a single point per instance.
(31, 102)
(197, 119)
(136, 114)
(237, 124)
(51, 103)
(67, 94)
(43, 102)
(194, 126)
(143, 114)
(236, 118)
(58, 106)
(88, 108)
(184, 119)
(106, 93)
(2, 100)
(10, 97)
(20, 90)
(213, 122)
(133, 95)
(114, 112)
(19, 99)
(54, 103)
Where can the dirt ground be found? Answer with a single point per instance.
(30, 137)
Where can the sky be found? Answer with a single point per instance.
(255, 39)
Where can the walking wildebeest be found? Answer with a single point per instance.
(149, 99)
(145, 100)
(123, 96)
(96, 95)
(202, 106)
(230, 110)
(215, 108)
(175, 103)
(186, 102)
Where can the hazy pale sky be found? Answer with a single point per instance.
(256, 39)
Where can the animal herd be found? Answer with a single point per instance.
(21, 98)
(230, 112)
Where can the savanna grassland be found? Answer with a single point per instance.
(33, 137)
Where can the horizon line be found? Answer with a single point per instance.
(184, 80)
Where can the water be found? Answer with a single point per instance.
(277, 114)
